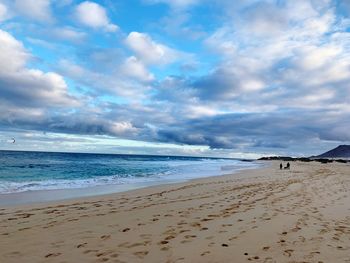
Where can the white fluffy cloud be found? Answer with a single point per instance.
(292, 50)
(95, 16)
(149, 51)
(315, 57)
(135, 68)
(120, 128)
(26, 87)
(35, 9)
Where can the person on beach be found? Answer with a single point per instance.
(281, 166)
(287, 166)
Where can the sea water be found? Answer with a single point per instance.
(33, 171)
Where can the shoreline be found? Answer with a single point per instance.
(262, 215)
(56, 195)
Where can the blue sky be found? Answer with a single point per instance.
(189, 77)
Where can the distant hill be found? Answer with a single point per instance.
(340, 154)
(342, 151)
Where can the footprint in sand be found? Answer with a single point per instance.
(25, 228)
(341, 248)
(90, 251)
(190, 236)
(14, 253)
(81, 245)
(105, 237)
(100, 254)
(315, 253)
(53, 255)
(205, 253)
(195, 225)
(288, 252)
(169, 237)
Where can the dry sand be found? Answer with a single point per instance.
(263, 215)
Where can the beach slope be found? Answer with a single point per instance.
(262, 215)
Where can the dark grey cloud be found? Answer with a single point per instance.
(259, 130)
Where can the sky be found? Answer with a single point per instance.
(243, 78)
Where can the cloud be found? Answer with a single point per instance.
(44, 36)
(231, 80)
(3, 12)
(265, 19)
(256, 130)
(270, 76)
(177, 4)
(25, 87)
(292, 67)
(95, 16)
(134, 68)
(179, 24)
(67, 33)
(149, 51)
(120, 81)
(287, 57)
(90, 123)
(316, 57)
(38, 10)
(222, 42)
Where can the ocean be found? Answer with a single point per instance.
(33, 171)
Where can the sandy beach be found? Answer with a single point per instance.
(261, 215)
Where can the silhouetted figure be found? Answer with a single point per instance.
(287, 166)
(281, 166)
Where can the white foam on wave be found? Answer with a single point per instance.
(179, 170)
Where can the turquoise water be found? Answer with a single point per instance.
(31, 171)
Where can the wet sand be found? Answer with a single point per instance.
(262, 215)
